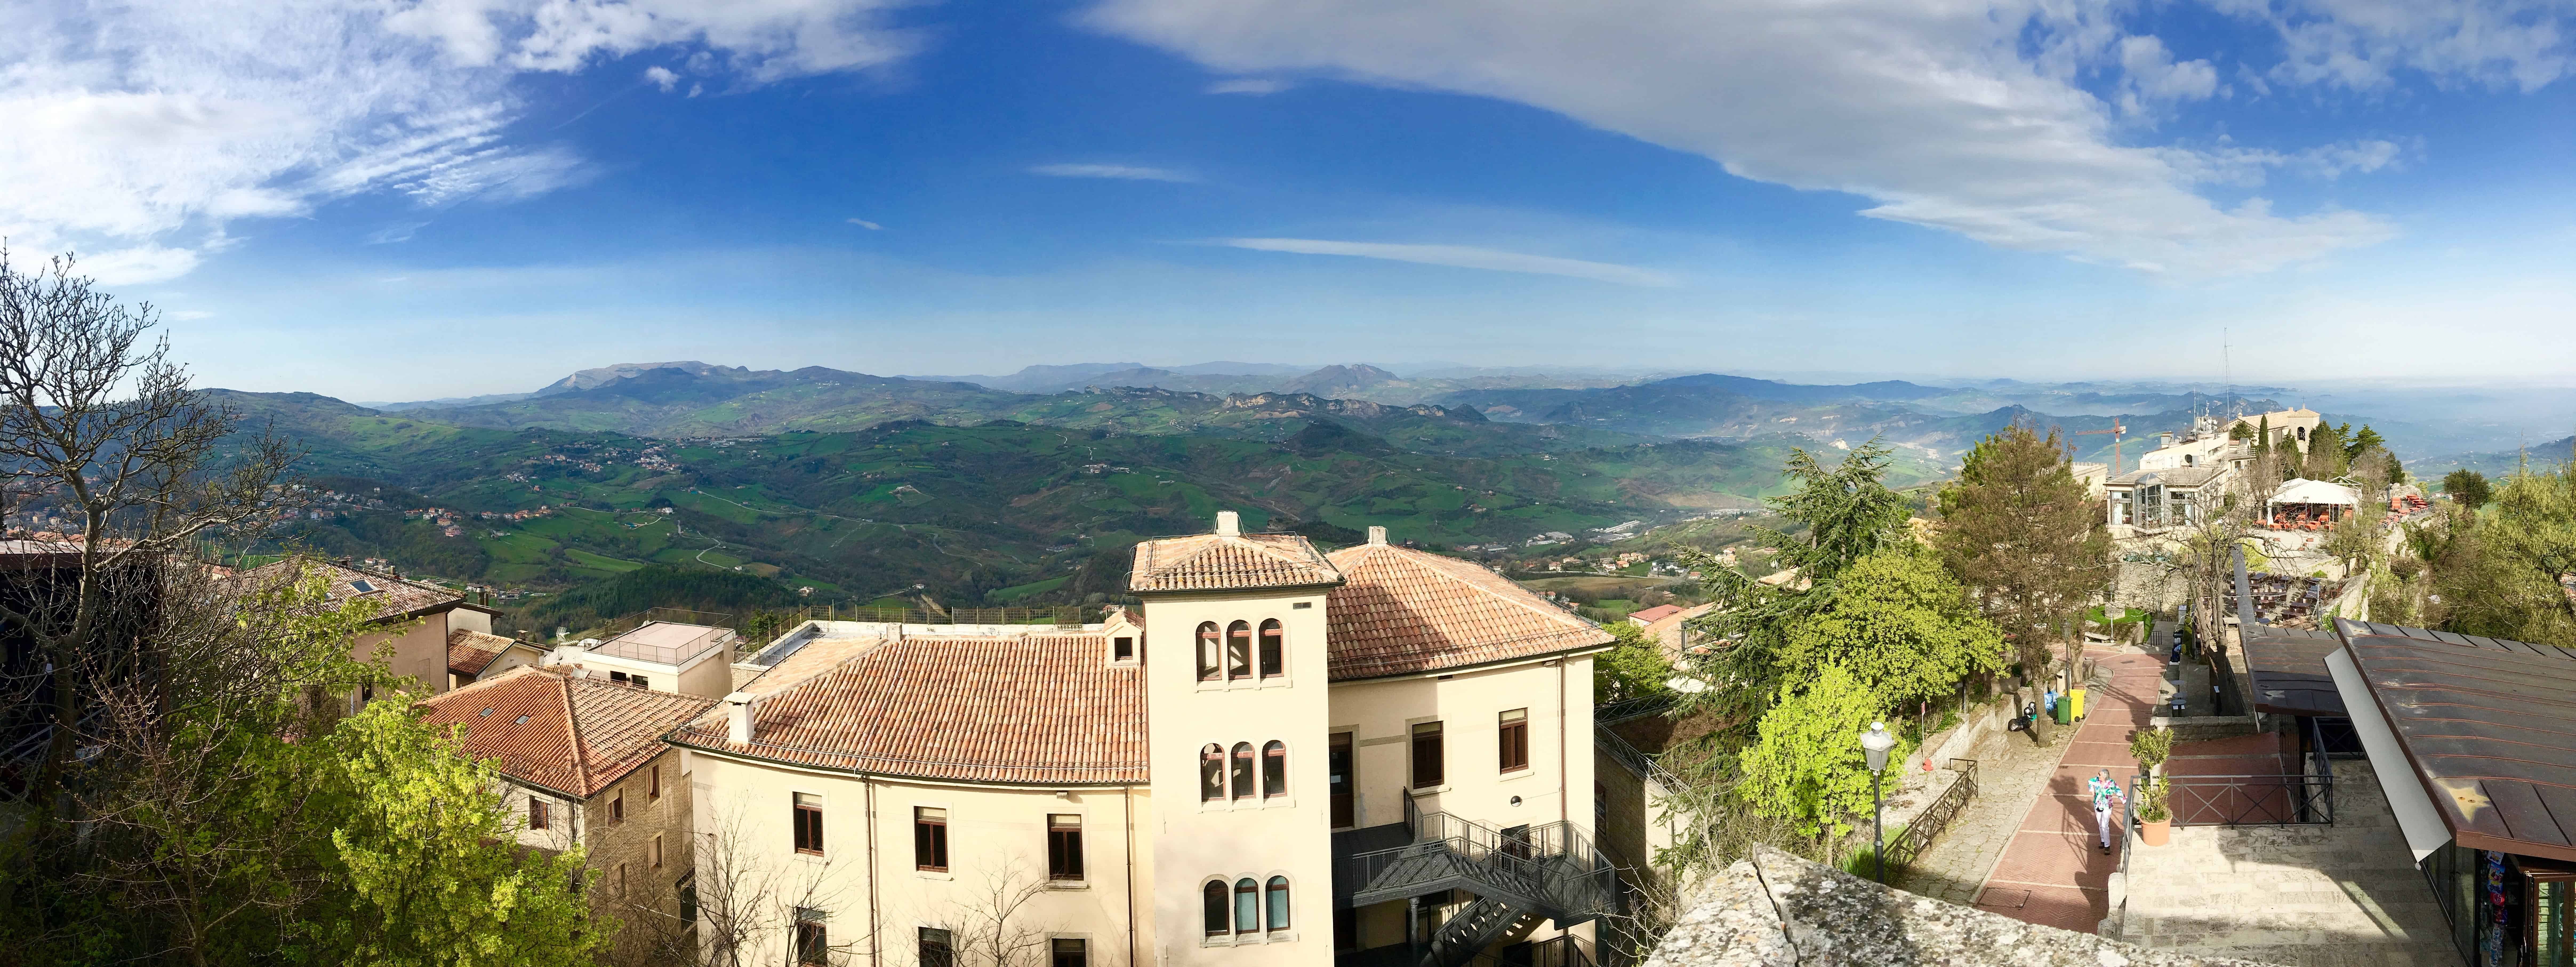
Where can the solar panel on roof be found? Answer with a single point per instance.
(362, 587)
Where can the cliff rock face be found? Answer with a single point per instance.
(1777, 910)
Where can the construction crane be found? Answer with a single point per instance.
(2115, 431)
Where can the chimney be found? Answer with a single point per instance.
(738, 717)
(1377, 536)
(1228, 523)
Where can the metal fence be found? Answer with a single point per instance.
(1060, 616)
(1918, 836)
(2303, 798)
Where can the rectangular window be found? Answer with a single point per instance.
(1429, 769)
(1064, 848)
(687, 888)
(653, 782)
(930, 839)
(1068, 952)
(618, 677)
(642, 682)
(1337, 768)
(1122, 648)
(809, 823)
(1515, 740)
(813, 943)
(936, 948)
(1274, 656)
(1274, 771)
(617, 806)
(536, 813)
(621, 879)
(657, 851)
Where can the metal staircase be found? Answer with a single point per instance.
(1518, 876)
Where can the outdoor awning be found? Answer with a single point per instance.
(2416, 816)
(2316, 492)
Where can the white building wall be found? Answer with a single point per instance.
(867, 882)
(1198, 842)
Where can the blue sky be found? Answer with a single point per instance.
(410, 200)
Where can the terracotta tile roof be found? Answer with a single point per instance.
(581, 733)
(469, 652)
(1213, 562)
(399, 597)
(1041, 708)
(1402, 611)
(1654, 614)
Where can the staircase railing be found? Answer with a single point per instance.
(1553, 869)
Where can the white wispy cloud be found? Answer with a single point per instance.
(1963, 117)
(137, 132)
(866, 224)
(661, 77)
(1247, 85)
(1124, 172)
(1461, 256)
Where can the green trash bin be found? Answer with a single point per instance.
(2065, 710)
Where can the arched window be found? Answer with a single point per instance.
(1207, 651)
(1247, 906)
(1238, 650)
(1274, 769)
(1243, 770)
(1274, 653)
(1212, 773)
(1278, 897)
(1215, 908)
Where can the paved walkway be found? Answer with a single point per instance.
(2011, 770)
(2051, 872)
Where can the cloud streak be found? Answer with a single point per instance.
(1117, 172)
(1463, 257)
(1960, 117)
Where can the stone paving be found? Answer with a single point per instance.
(2011, 770)
(2346, 895)
(2051, 872)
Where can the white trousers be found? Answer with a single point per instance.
(2102, 822)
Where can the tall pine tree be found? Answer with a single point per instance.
(2021, 529)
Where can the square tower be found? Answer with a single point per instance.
(1237, 705)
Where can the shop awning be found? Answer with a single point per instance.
(2487, 727)
(2416, 816)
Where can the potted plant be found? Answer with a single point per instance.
(2151, 747)
(2155, 817)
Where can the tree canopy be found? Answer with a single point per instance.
(2019, 528)
(2468, 488)
(1902, 627)
(1805, 764)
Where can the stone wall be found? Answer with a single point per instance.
(1776, 910)
(649, 903)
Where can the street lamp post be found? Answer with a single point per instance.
(1875, 744)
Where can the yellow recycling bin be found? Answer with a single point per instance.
(2077, 696)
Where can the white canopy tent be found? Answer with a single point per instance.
(2299, 490)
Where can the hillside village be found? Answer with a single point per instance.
(702, 700)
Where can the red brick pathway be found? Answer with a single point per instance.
(2053, 870)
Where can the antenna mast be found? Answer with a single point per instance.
(2227, 370)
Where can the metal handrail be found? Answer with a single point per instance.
(1636, 760)
(1936, 817)
(1552, 867)
(2250, 800)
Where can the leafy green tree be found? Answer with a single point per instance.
(2362, 442)
(1805, 765)
(2326, 459)
(434, 872)
(2468, 488)
(2018, 527)
(1632, 668)
(2533, 530)
(1841, 514)
(1901, 626)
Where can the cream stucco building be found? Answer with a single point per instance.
(1288, 757)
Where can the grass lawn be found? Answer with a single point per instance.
(1016, 592)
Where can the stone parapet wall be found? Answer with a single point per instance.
(1777, 910)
